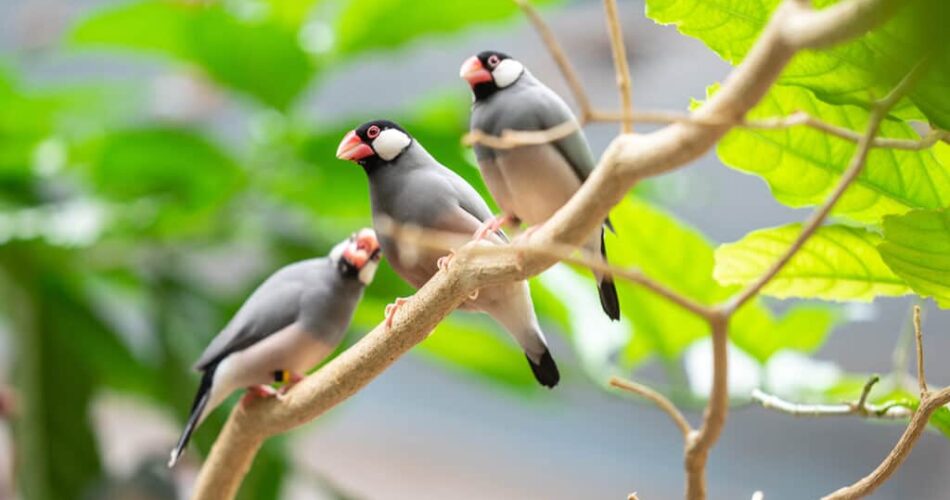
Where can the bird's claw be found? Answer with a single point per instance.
(443, 262)
(259, 391)
(391, 310)
(492, 225)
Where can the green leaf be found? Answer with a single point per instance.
(803, 165)
(856, 72)
(178, 171)
(803, 328)
(680, 257)
(260, 57)
(917, 248)
(836, 263)
(476, 346)
(374, 24)
(464, 342)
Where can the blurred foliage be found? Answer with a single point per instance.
(128, 237)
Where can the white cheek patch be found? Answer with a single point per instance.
(368, 272)
(390, 143)
(337, 253)
(507, 72)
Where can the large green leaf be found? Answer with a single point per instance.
(836, 263)
(373, 24)
(856, 72)
(917, 247)
(257, 56)
(680, 257)
(802, 165)
(181, 175)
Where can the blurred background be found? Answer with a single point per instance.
(158, 159)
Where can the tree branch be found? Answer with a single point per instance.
(919, 342)
(929, 403)
(860, 408)
(656, 398)
(620, 65)
(700, 442)
(627, 160)
(563, 62)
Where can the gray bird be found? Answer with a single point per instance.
(530, 182)
(410, 187)
(288, 325)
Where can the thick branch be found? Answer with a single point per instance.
(656, 398)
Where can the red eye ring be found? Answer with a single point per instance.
(372, 131)
(493, 60)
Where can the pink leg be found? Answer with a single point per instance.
(391, 310)
(492, 225)
(443, 262)
(259, 391)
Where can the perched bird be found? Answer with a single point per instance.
(288, 325)
(409, 187)
(530, 182)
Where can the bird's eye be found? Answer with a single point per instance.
(493, 60)
(372, 132)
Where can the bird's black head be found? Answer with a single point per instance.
(490, 71)
(358, 256)
(374, 143)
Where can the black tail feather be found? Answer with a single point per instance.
(545, 371)
(608, 298)
(197, 408)
(608, 291)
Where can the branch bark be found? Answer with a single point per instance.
(628, 159)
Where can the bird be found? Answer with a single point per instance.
(288, 325)
(530, 182)
(409, 187)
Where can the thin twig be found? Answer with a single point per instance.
(619, 52)
(860, 408)
(700, 442)
(656, 398)
(919, 341)
(510, 139)
(861, 405)
(557, 52)
(804, 119)
(513, 138)
(929, 403)
(858, 161)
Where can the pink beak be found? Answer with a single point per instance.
(473, 71)
(353, 148)
(363, 249)
(366, 240)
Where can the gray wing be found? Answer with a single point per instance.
(552, 111)
(272, 307)
(470, 201)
